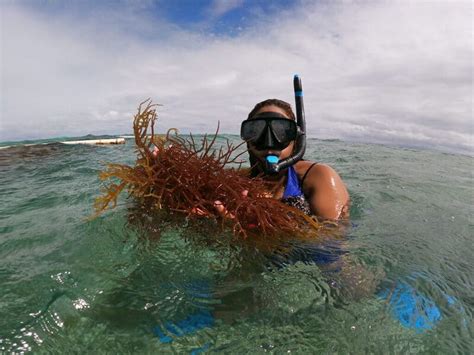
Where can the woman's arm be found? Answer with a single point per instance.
(327, 192)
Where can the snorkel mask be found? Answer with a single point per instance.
(271, 130)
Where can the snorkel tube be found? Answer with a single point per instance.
(272, 163)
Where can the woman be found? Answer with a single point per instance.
(271, 134)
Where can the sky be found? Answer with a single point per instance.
(392, 72)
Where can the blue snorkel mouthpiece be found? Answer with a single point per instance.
(272, 159)
(272, 163)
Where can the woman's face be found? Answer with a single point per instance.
(262, 154)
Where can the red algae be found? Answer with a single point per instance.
(183, 176)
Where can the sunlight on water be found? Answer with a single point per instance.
(157, 286)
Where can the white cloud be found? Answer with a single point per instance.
(395, 72)
(220, 7)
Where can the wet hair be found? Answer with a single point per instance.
(285, 106)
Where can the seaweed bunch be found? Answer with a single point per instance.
(185, 176)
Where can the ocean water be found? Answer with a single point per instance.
(404, 284)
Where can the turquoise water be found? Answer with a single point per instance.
(106, 285)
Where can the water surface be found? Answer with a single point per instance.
(70, 283)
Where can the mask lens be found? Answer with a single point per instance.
(284, 130)
(252, 129)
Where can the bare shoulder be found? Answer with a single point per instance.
(327, 192)
(312, 171)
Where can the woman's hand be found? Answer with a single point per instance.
(155, 152)
(222, 210)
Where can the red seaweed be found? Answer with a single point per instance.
(186, 177)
